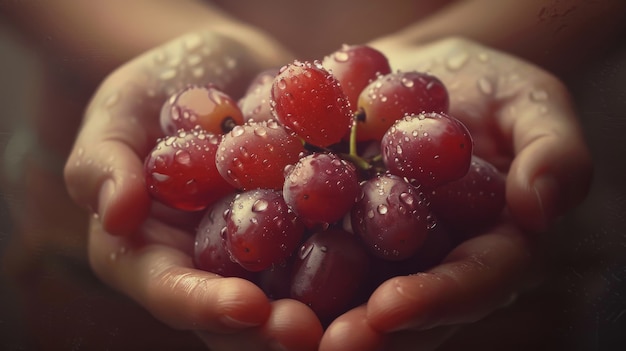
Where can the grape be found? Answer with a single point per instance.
(210, 253)
(255, 104)
(321, 188)
(436, 246)
(430, 148)
(204, 106)
(329, 271)
(261, 230)
(276, 280)
(180, 171)
(355, 66)
(309, 101)
(325, 179)
(391, 217)
(254, 155)
(395, 95)
(473, 201)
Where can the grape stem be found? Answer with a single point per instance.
(353, 155)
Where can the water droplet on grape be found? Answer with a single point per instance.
(399, 149)
(182, 157)
(341, 56)
(160, 177)
(260, 132)
(237, 131)
(281, 84)
(382, 209)
(191, 187)
(407, 82)
(305, 250)
(431, 221)
(260, 205)
(407, 199)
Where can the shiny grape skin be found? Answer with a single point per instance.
(254, 155)
(309, 101)
(180, 171)
(205, 106)
(474, 201)
(430, 148)
(321, 188)
(395, 95)
(261, 230)
(210, 253)
(355, 66)
(255, 103)
(392, 217)
(329, 270)
(438, 243)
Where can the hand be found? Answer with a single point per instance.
(522, 121)
(144, 250)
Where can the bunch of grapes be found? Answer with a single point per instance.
(325, 179)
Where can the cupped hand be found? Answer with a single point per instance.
(522, 120)
(145, 250)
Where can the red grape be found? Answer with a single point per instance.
(355, 66)
(204, 106)
(430, 148)
(329, 271)
(309, 101)
(474, 200)
(321, 188)
(261, 230)
(180, 171)
(395, 95)
(255, 104)
(254, 155)
(391, 217)
(210, 253)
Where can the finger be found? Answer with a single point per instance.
(351, 331)
(154, 268)
(293, 326)
(290, 326)
(104, 171)
(551, 172)
(480, 275)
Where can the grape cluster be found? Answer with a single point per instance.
(325, 179)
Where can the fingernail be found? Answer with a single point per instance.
(104, 196)
(547, 191)
(237, 324)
